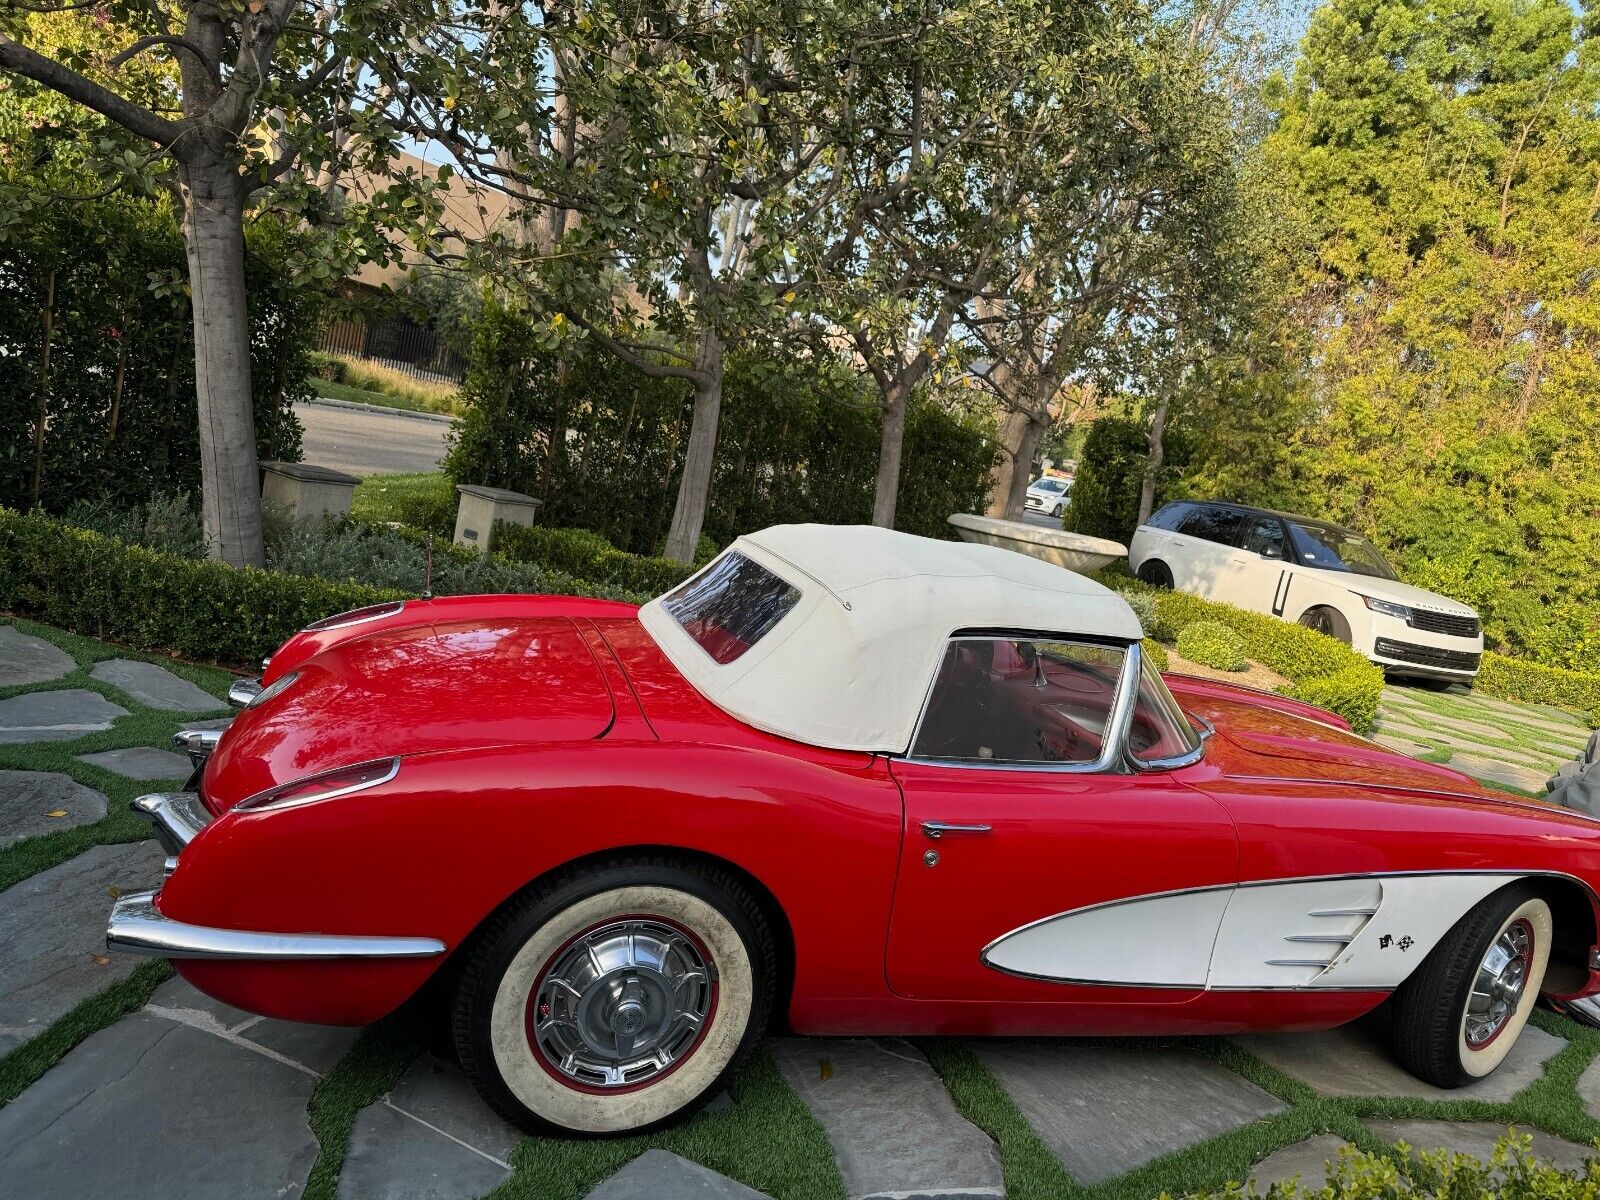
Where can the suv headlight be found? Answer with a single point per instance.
(1388, 608)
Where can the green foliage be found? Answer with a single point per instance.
(1212, 644)
(1440, 168)
(1157, 654)
(1144, 607)
(328, 367)
(117, 396)
(1105, 494)
(167, 521)
(588, 556)
(1510, 1173)
(424, 501)
(603, 446)
(1321, 670)
(1515, 679)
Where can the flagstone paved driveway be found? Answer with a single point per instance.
(1501, 742)
(118, 1080)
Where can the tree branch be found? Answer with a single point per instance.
(19, 60)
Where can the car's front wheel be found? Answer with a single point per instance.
(614, 999)
(1461, 1011)
(1056, 511)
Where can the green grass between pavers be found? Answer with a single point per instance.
(1551, 1103)
(1517, 728)
(767, 1139)
(27, 1062)
(141, 727)
(369, 1070)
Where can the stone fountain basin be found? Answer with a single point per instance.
(1074, 551)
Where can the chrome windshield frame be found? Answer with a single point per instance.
(1113, 744)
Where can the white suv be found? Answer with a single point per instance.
(1048, 494)
(1322, 575)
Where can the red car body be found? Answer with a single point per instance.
(539, 732)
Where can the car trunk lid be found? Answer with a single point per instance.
(448, 685)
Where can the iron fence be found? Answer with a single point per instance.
(396, 342)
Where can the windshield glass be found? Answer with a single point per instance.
(1049, 485)
(730, 606)
(1159, 729)
(1336, 549)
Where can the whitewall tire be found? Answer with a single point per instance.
(614, 1000)
(1458, 1016)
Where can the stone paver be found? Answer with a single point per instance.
(1104, 1110)
(1589, 1089)
(432, 1138)
(141, 762)
(1528, 779)
(314, 1048)
(29, 798)
(25, 659)
(894, 1129)
(152, 1109)
(153, 686)
(1477, 1140)
(662, 1175)
(1468, 745)
(56, 716)
(1309, 1161)
(53, 928)
(1354, 1060)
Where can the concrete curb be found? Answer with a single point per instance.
(325, 402)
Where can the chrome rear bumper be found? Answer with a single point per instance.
(136, 927)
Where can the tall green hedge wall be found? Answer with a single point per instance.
(103, 286)
(601, 444)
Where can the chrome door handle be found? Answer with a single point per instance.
(937, 829)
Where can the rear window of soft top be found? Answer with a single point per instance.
(730, 606)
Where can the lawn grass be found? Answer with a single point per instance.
(369, 1070)
(399, 497)
(365, 382)
(329, 390)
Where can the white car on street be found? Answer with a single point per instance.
(1048, 495)
(1320, 574)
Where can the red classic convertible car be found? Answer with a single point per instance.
(862, 781)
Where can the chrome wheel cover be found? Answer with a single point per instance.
(622, 1004)
(1498, 986)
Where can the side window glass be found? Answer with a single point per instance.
(1006, 700)
(1264, 536)
(1170, 516)
(1219, 525)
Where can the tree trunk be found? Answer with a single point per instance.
(1153, 459)
(1005, 494)
(694, 489)
(887, 490)
(230, 483)
(1022, 464)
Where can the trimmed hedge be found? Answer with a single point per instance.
(1321, 670)
(1515, 679)
(95, 585)
(1212, 644)
(587, 555)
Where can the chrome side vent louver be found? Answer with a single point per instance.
(1330, 940)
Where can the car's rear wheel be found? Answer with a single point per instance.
(615, 999)
(1462, 1010)
(1156, 573)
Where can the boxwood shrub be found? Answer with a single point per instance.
(1212, 644)
(1321, 670)
(96, 585)
(1515, 679)
(589, 556)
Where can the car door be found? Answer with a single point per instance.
(1255, 568)
(1208, 536)
(1023, 833)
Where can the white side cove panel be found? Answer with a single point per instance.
(1352, 933)
(1162, 941)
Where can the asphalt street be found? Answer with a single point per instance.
(371, 441)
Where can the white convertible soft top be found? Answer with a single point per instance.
(849, 665)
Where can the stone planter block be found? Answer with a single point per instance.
(305, 490)
(480, 507)
(1074, 551)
